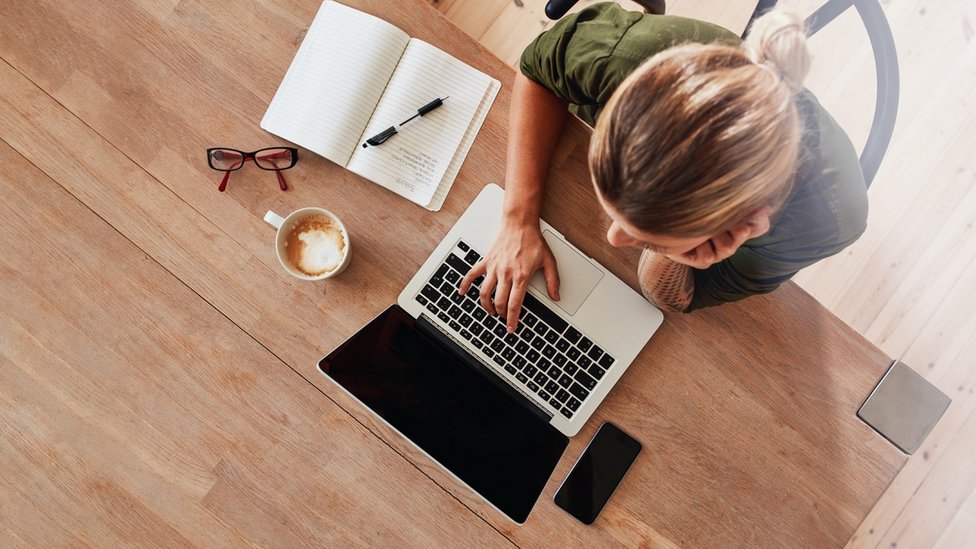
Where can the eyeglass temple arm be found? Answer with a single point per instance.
(223, 182)
(281, 180)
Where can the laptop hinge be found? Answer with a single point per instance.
(454, 346)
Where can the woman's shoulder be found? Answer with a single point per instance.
(828, 208)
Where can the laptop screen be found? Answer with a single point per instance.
(458, 416)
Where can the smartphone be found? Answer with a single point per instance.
(597, 473)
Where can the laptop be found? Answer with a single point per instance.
(495, 409)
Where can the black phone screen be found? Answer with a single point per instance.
(597, 473)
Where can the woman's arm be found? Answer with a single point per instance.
(665, 283)
(536, 120)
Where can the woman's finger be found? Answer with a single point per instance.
(486, 287)
(501, 294)
(474, 273)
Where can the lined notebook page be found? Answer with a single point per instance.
(335, 81)
(455, 166)
(414, 162)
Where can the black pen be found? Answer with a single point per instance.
(381, 137)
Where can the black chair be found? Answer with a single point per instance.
(885, 63)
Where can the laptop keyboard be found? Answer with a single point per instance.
(546, 355)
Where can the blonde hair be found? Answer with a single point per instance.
(699, 136)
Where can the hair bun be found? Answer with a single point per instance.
(778, 40)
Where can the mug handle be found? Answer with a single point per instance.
(274, 219)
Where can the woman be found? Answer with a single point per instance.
(706, 153)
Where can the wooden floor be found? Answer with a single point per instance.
(909, 284)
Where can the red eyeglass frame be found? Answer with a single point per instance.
(253, 156)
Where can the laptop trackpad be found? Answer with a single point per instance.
(577, 276)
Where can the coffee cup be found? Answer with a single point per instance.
(311, 243)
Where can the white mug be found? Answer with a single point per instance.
(285, 226)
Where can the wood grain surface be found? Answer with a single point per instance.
(158, 369)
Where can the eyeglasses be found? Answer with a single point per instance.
(272, 158)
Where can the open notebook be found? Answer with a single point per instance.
(354, 76)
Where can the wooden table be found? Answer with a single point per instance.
(157, 366)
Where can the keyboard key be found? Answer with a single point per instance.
(454, 326)
(486, 337)
(488, 352)
(583, 379)
(584, 344)
(565, 380)
(430, 292)
(538, 343)
(512, 340)
(464, 247)
(476, 329)
(458, 264)
(554, 372)
(472, 257)
(499, 360)
(526, 335)
(532, 386)
(547, 315)
(499, 330)
(543, 364)
(479, 280)
(422, 300)
(520, 328)
(521, 346)
(437, 281)
(456, 297)
(541, 379)
(444, 303)
(606, 361)
(562, 344)
(533, 355)
(573, 335)
(511, 369)
(552, 337)
(441, 271)
(474, 293)
(476, 342)
(545, 396)
(578, 391)
(595, 353)
(566, 412)
(540, 329)
(559, 359)
(468, 306)
(432, 308)
(530, 320)
(453, 277)
(562, 396)
(444, 317)
(549, 351)
(573, 404)
(570, 368)
(573, 353)
(584, 362)
(530, 370)
(448, 289)
(552, 387)
(597, 371)
(508, 353)
(479, 314)
(489, 321)
(455, 312)
(466, 335)
(521, 377)
(555, 402)
(520, 362)
(465, 320)
(498, 346)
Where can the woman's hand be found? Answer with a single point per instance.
(722, 246)
(517, 253)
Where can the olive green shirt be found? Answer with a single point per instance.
(584, 57)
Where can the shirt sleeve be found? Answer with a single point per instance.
(571, 59)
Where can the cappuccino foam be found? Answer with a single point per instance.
(316, 246)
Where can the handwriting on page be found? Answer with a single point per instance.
(421, 169)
